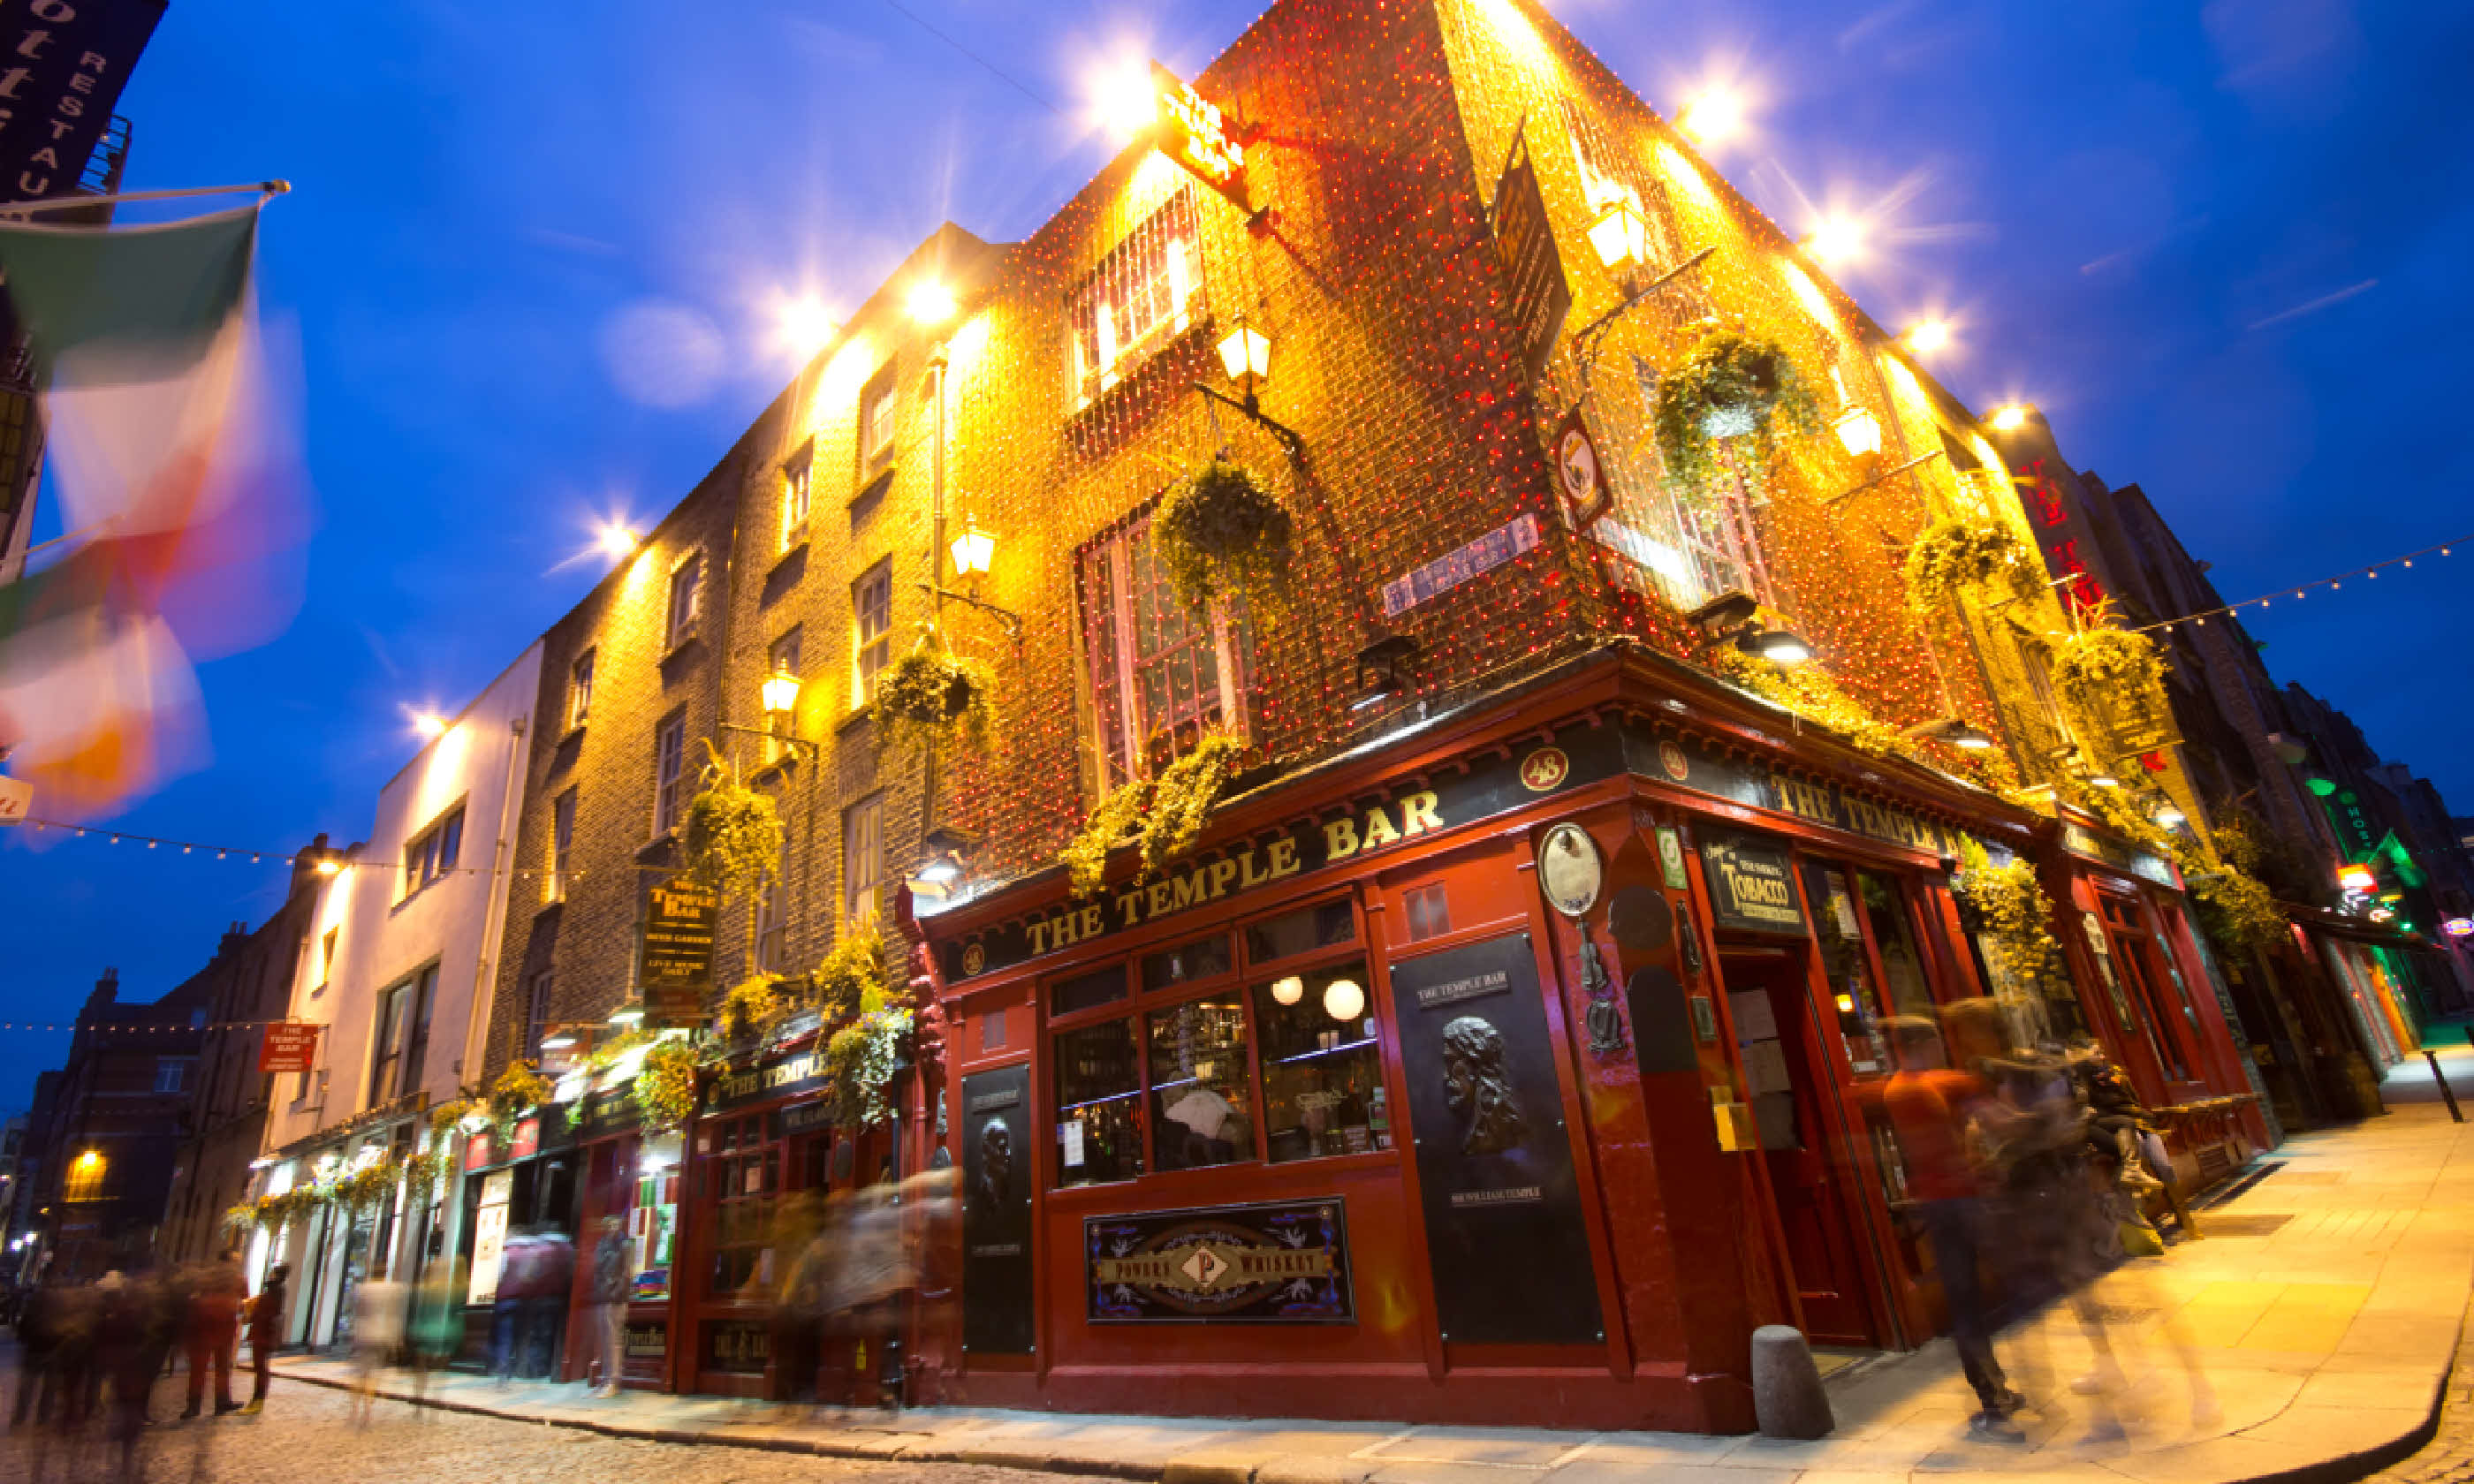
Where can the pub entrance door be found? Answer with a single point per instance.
(1796, 1108)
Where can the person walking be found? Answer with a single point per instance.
(39, 1342)
(378, 1331)
(608, 1296)
(266, 1331)
(1930, 1105)
(214, 1331)
(437, 1326)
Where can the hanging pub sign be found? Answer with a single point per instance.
(677, 965)
(65, 67)
(1504, 1228)
(1752, 887)
(1193, 134)
(1538, 296)
(1580, 472)
(288, 1046)
(1283, 1263)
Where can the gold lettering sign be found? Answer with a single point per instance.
(1193, 134)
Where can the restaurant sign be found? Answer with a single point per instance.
(781, 1077)
(678, 951)
(1687, 762)
(1578, 755)
(1751, 886)
(2086, 843)
(1283, 1263)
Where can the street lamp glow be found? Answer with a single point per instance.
(931, 303)
(430, 724)
(780, 690)
(1714, 117)
(2010, 419)
(614, 539)
(805, 325)
(1837, 240)
(974, 550)
(1926, 336)
(1128, 103)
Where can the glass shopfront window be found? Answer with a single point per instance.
(744, 1163)
(1857, 1002)
(1256, 1045)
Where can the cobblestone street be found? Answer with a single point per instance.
(307, 1433)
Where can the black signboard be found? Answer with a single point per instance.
(775, 1077)
(609, 1111)
(1579, 754)
(1690, 763)
(679, 918)
(1504, 1228)
(1539, 298)
(997, 1278)
(738, 1346)
(64, 63)
(1751, 886)
(1278, 1262)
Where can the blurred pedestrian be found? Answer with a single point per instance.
(437, 1325)
(213, 1330)
(39, 1341)
(266, 1331)
(612, 1264)
(552, 1289)
(516, 1269)
(124, 1359)
(377, 1332)
(1932, 1106)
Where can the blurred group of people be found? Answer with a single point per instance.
(536, 1272)
(843, 1267)
(91, 1355)
(2027, 1169)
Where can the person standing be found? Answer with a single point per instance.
(608, 1296)
(266, 1330)
(214, 1331)
(1929, 1105)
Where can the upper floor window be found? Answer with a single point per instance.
(880, 407)
(774, 914)
(537, 1014)
(579, 689)
(670, 768)
(1145, 293)
(796, 476)
(172, 1072)
(1163, 674)
(561, 841)
(400, 1038)
(862, 858)
(687, 594)
(434, 852)
(82, 1181)
(327, 954)
(871, 626)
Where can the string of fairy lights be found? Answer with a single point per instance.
(242, 855)
(2299, 591)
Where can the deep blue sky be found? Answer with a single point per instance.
(533, 254)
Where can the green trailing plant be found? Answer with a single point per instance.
(756, 1006)
(931, 695)
(239, 1220)
(1959, 558)
(862, 1059)
(664, 1087)
(733, 833)
(445, 1116)
(2236, 908)
(367, 1188)
(2100, 660)
(601, 1058)
(851, 973)
(1812, 694)
(1222, 530)
(1729, 385)
(1161, 814)
(519, 1086)
(2016, 913)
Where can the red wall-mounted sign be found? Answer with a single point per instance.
(1193, 134)
(478, 1149)
(288, 1046)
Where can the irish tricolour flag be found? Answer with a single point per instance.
(145, 343)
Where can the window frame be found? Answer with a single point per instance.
(882, 392)
(668, 808)
(562, 839)
(1098, 309)
(537, 998)
(871, 652)
(434, 853)
(579, 688)
(872, 807)
(687, 573)
(798, 495)
(1110, 650)
(1138, 1005)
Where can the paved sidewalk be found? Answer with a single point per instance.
(2308, 1339)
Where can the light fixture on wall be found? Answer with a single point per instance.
(629, 1014)
(1620, 235)
(1859, 432)
(1383, 670)
(1736, 618)
(1955, 731)
(2169, 815)
(944, 855)
(975, 550)
(1246, 355)
(781, 692)
(1288, 990)
(1344, 999)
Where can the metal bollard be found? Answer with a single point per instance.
(2438, 1076)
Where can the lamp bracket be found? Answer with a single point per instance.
(1885, 474)
(1252, 407)
(794, 743)
(1584, 341)
(1012, 620)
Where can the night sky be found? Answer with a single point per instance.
(534, 267)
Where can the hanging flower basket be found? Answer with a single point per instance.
(664, 1087)
(1979, 558)
(1221, 529)
(851, 974)
(1163, 813)
(1730, 385)
(733, 834)
(862, 1059)
(928, 695)
(755, 1007)
(2098, 660)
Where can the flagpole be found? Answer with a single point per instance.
(71, 202)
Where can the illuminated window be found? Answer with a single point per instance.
(1146, 293)
(579, 689)
(670, 768)
(880, 408)
(872, 626)
(1161, 674)
(172, 1072)
(687, 594)
(434, 852)
(795, 478)
(561, 841)
(84, 1180)
(863, 859)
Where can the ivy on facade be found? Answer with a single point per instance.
(1161, 814)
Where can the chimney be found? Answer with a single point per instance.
(305, 864)
(106, 990)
